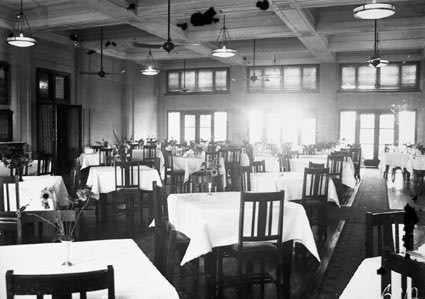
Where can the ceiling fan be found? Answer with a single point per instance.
(376, 61)
(101, 73)
(253, 78)
(168, 45)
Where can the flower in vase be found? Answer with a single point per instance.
(46, 194)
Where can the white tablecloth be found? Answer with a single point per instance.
(418, 162)
(395, 160)
(102, 178)
(348, 179)
(30, 192)
(135, 276)
(212, 221)
(87, 160)
(291, 182)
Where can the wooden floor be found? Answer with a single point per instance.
(307, 274)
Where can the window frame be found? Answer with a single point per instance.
(260, 70)
(197, 71)
(398, 87)
(197, 114)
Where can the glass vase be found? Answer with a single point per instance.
(66, 244)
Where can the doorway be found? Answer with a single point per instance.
(59, 124)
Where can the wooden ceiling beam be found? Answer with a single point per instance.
(302, 24)
(321, 3)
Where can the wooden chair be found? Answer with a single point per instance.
(200, 180)
(179, 242)
(415, 270)
(149, 152)
(335, 164)
(212, 160)
(258, 166)
(260, 239)
(127, 190)
(233, 156)
(355, 153)
(245, 178)
(60, 285)
(28, 218)
(178, 183)
(9, 201)
(105, 156)
(380, 228)
(284, 164)
(316, 165)
(315, 198)
(44, 164)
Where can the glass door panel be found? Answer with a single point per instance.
(220, 126)
(407, 127)
(205, 127)
(386, 130)
(174, 126)
(367, 134)
(347, 127)
(189, 127)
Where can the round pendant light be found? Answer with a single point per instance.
(374, 11)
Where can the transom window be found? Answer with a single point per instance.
(186, 126)
(393, 77)
(287, 78)
(214, 80)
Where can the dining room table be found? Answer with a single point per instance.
(134, 275)
(212, 220)
(101, 179)
(291, 182)
(302, 162)
(30, 193)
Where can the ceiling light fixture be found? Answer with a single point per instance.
(21, 35)
(150, 70)
(223, 51)
(376, 61)
(374, 10)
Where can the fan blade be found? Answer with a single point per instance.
(141, 45)
(118, 73)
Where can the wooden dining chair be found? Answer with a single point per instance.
(284, 164)
(200, 180)
(258, 166)
(406, 268)
(212, 160)
(335, 165)
(178, 183)
(259, 237)
(316, 165)
(61, 285)
(127, 191)
(45, 164)
(10, 222)
(315, 198)
(383, 230)
(105, 156)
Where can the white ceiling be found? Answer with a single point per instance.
(296, 31)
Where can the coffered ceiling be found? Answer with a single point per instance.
(295, 31)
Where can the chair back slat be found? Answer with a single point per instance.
(105, 156)
(335, 164)
(212, 160)
(258, 166)
(315, 185)
(9, 191)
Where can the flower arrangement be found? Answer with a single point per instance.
(13, 159)
(46, 194)
(65, 230)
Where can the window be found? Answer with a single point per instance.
(186, 126)
(291, 126)
(198, 81)
(376, 128)
(393, 77)
(297, 78)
